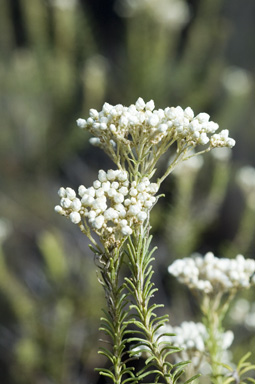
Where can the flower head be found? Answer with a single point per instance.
(211, 274)
(191, 338)
(126, 124)
(135, 137)
(112, 207)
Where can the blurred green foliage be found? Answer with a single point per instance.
(58, 59)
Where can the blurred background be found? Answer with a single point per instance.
(58, 59)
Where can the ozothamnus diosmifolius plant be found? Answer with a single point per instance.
(117, 209)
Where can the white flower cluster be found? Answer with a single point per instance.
(222, 140)
(112, 205)
(187, 336)
(211, 274)
(191, 338)
(120, 124)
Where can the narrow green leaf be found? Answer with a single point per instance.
(192, 378)
(242, 360)
(251, 380)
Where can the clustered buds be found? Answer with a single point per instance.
(120, 124)
(191, 336)
(112, 206)
(212, 275)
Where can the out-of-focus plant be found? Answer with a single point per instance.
(215, 282)
(54, 315)
(192, 209)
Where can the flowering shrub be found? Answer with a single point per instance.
(117, 209)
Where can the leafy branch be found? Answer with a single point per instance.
(115, 320)
(146, 320)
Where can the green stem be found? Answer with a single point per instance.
(114, 323)
(213, 323)
(142, 290)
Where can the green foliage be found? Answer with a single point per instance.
(147, 321)
(239, 374)
(115, 321)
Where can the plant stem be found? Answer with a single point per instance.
(114, 324)
(142, 290)
(213, 323)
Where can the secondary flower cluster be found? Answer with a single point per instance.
(192, 336)
(128, 125)
(211, 274)
(112, 206)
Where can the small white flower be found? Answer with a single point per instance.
(95, 141)
(188, 112)
(100, 203)
(111, 174)
(97, 184)
(75, 217)
(133, 192)
(122, 176)
(65, 202)
(142, 216)
(203, 117)
(93, 113)
(59, 209)
(87, 200)
(126, 230)
(81, 123)
(98, 222)
(62, 192)
(76, 204)
(111, 214)
(91, 192)
(112, 192)
(70, 193)
(203, 139)
(82, 190)
(107, 108)
(115, 185)
(140, 104)
(123, 191)
(106, 185)
(102, 176)
(150, 105)
(153, 188)
(134, 209)
(123, 223)
(154, 120)
(100, 192)
(118, 198)
(141, 187)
